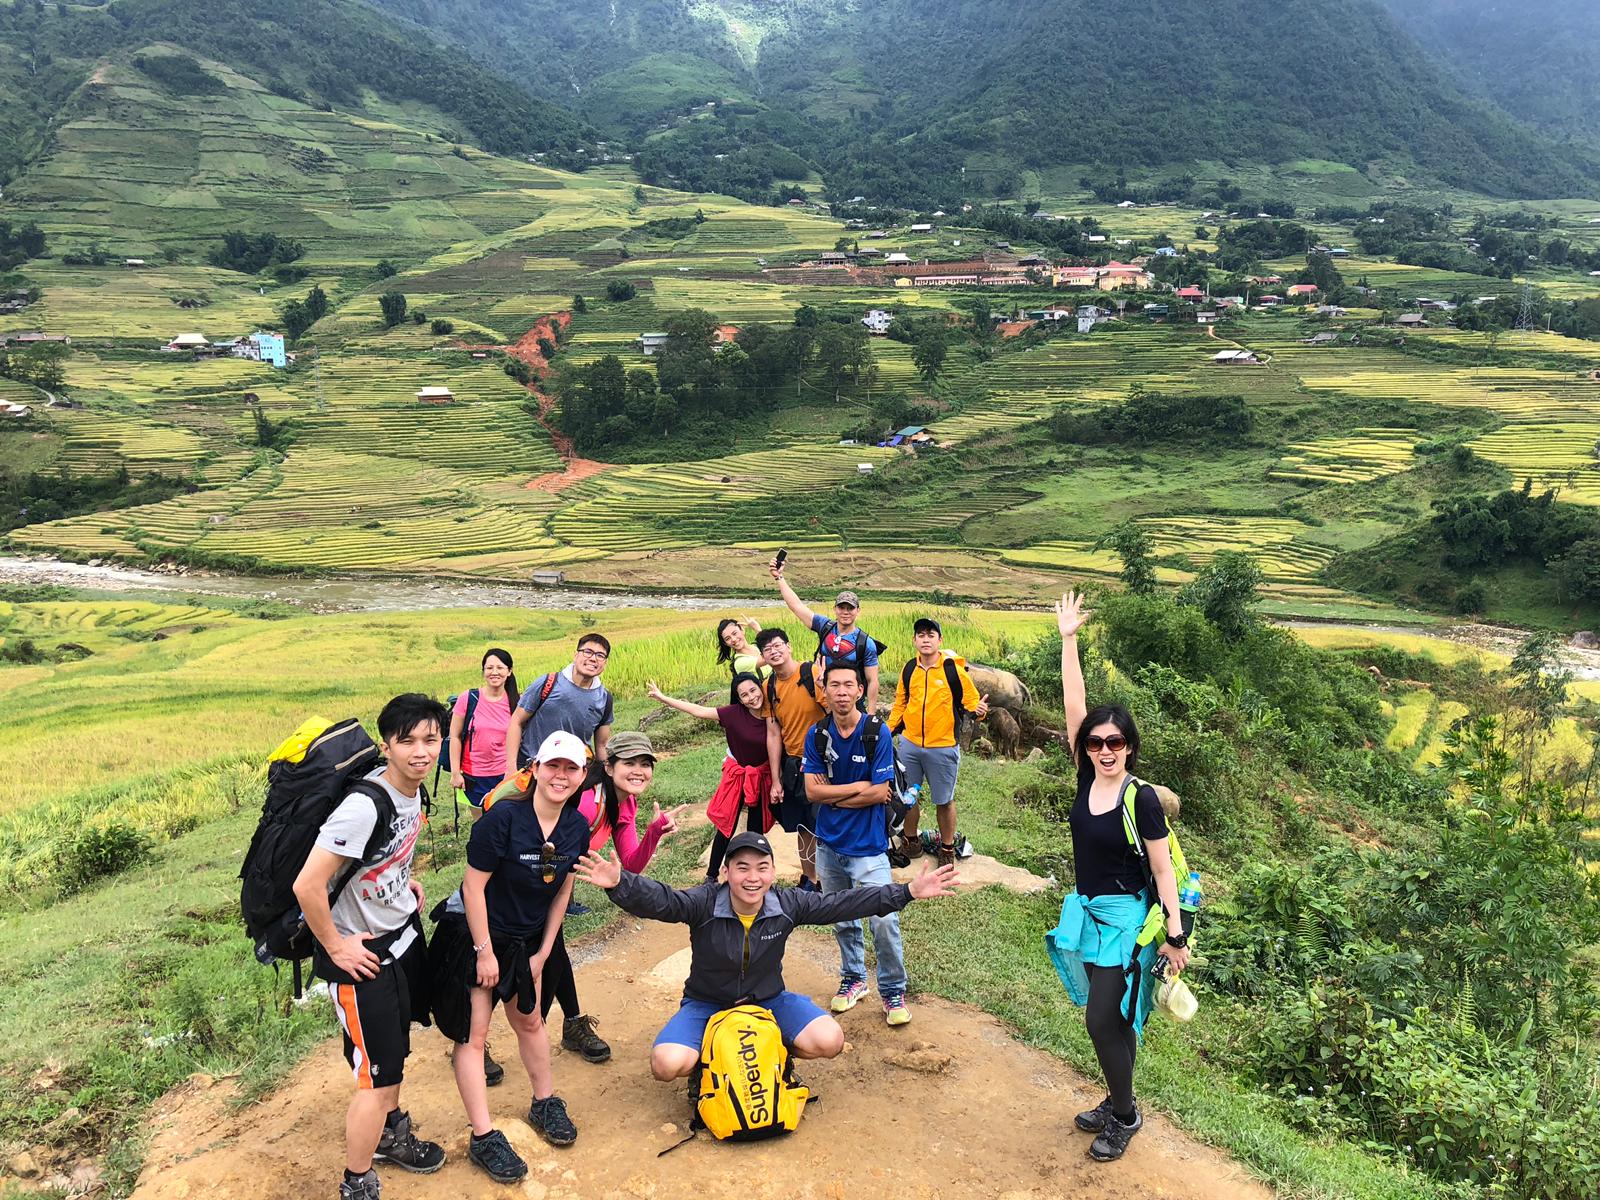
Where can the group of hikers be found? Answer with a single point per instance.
(550, 784)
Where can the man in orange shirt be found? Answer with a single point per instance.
(792, 704)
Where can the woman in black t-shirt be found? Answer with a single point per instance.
(1095, 945)
(494, 936)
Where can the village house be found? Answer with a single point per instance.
(869, 252)
(723, 336)
(261, 347)
(189, 341)
(1303, 289)
(435, 395)
(134, 262)
(33, 339)
(1411, 321)
(1167, 251)
(945, 280)
(1332, 310)
(649, 343)
(10, 408)
(835, 258)
(1191, 294)
(549, 578)
(1321, 339)
(878, 321)
(897, 258)
(1157, 312)
(1032, 262)
(924, 228)
(914, 435)
(1235, 358)
(1269, 301)
(1205, 317)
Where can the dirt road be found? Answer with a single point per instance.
(949, 1105)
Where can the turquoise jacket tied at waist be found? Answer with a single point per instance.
(1102, 932)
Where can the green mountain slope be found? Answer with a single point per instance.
(890, 97)
(329, 52)
(1539, 59)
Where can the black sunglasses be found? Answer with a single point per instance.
(1094, 743)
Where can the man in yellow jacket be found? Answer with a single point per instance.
(933, 689)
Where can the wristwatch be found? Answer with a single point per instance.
(1178, 943)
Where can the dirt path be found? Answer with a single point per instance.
(526, 348)
(949, 1105)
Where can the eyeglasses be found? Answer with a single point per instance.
(590, 652)
(547, 862)
(1095, 743)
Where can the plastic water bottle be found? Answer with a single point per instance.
(1189, 896)
(912, 796)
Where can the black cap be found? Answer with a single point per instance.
(927, 625)
(748, 841)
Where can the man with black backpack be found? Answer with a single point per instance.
(362, 906)
(572, 700)
(933, 697)
(849, 765)
(839, 639)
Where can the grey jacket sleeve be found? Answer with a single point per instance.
(655, 901)
(812, 908)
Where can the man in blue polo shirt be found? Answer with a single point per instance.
(849, 767)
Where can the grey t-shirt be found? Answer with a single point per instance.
(379, 899)
(568, 707)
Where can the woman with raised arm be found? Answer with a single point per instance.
(1122, 867)
(733, 647)
(750, 775)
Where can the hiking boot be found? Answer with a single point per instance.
(362, 1187)
(1114, 1138)
(895, 1010)
(849, 994)
(493, 1072)
(494, 1154)
(1095, 1119)
(550, 1121)
(577, 1033)
(947, 855)
(807, 884)
(406, 1150)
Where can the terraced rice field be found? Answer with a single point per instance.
(1365, 455)
(1558, 456)
(99, 624)
(122, 302)
(1519, 394)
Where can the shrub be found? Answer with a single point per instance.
(442, 327)
(97, 853)
(620, 289)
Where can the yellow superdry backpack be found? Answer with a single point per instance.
(747, 1085)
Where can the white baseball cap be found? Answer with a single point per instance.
(562, 744)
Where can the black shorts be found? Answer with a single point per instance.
(376, 1014)
(796, 814)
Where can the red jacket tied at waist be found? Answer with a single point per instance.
(741, 786)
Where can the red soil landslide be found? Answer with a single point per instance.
(526, 348)
(950, 1105)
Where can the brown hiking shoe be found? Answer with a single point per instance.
(911, 846)
(578, 1034)
(947, 855)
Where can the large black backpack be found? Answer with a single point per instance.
(894, 812)
(858, 660)
(300, 798)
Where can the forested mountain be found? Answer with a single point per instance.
(1539, 59)
(326, 51)
(881, 94)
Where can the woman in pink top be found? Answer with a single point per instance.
(478, 746)
(612, 811)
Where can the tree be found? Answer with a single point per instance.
(579, 304)
(928, 354)
(1134, 547)
(1224, 589)
(43, 364)
(1577, 572)
(317, 304)
(620, 289)
(393, 305)
(1538, 695)
(418, 317)
(440, 327)
(386, 269)
(296, 319)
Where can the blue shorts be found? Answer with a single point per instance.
(792, 1011)
(479, 786)
(933, 766)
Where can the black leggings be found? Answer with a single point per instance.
(719, 844)
(558, 981)
(1115, 1043)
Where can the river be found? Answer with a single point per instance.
(351, 593)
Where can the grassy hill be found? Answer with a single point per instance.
(323, 51)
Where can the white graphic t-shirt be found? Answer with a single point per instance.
(379, 899)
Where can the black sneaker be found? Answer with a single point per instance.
(1095, 1119)
(577, 1033)
(362, 1187)
(550, 1121)
(1114, 1138)
(404, 1149)
(494, 1154)
(493, 1072)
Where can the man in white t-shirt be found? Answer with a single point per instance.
(370, 946)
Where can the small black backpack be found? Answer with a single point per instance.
(300, 798)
